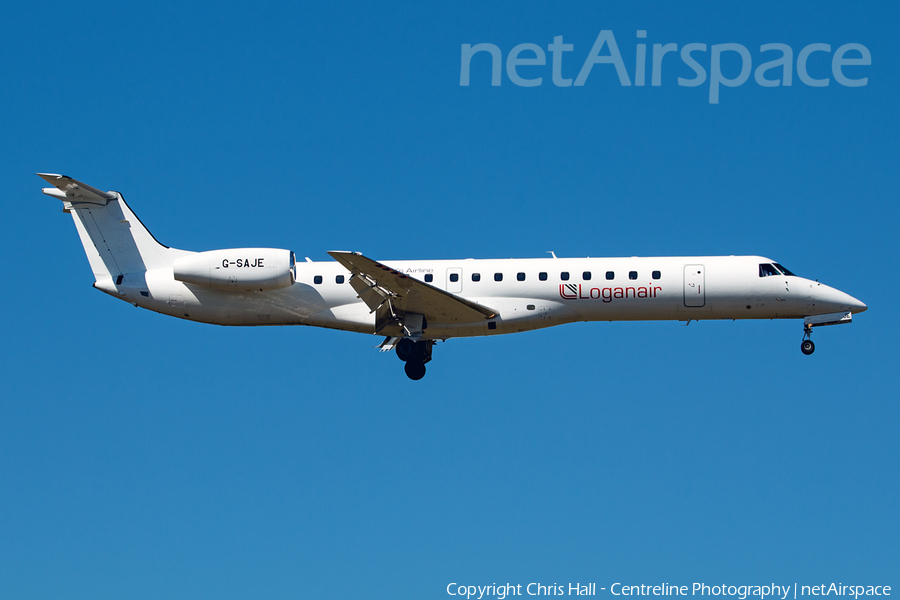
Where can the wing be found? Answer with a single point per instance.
(377, 284)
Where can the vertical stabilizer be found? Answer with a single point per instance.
(116, 242)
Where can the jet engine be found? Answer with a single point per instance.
(244, 269)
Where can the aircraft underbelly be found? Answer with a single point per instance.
(159, 292)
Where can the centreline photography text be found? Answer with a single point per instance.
(741, 592)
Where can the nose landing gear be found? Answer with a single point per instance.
(415, 355)
(806, 346)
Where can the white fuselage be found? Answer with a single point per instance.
(414, 303)
(526, 293)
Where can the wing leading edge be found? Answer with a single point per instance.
(378, 285)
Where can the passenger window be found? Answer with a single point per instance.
(656, 274)
(476, 276)
(564, 275)
(542, 276)
(454, 277)
(520, 276)
(766, 270)
(429, 278)
(498, 276)
(317, 279)
(586, 275)
(339, 279)
(610, 275)
(632, 274)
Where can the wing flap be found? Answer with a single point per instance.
(377, 283)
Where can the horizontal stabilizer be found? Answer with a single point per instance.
(67, 189)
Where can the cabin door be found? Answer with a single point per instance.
(694, 286)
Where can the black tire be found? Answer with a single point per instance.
(807, 347)
(406, 350)
(414, 370)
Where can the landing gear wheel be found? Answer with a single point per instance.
(414, 370)
(406, 350)
(807, 347)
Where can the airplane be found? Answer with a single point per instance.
(415, 303)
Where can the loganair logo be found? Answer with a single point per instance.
(576, 291)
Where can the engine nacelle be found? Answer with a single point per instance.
(245, 269)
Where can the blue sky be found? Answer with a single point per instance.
(146, 457)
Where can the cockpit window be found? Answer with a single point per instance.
(767, 270)
(783, 270)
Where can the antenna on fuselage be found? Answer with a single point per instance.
(551, 253)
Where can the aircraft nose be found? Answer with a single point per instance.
(856, 306)
(838, 300)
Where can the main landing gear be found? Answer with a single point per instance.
(415, 355)
(806, 346)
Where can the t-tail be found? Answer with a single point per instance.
(118, 246)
